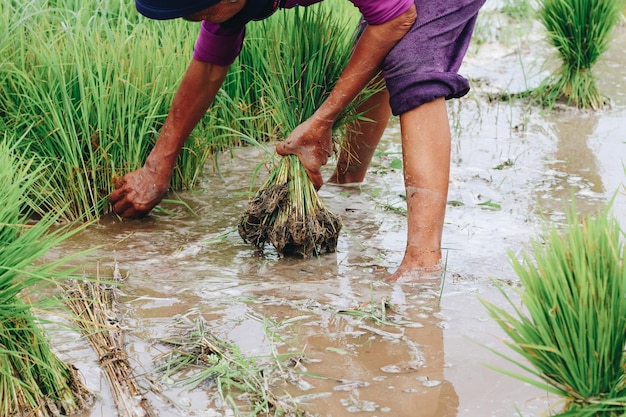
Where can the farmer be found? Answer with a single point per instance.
(418, 45)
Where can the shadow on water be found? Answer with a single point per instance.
(508, 160)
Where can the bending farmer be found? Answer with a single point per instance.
(417, 45)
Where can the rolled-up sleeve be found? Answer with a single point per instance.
(376, 12)
(218, 45)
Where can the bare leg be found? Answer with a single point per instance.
(362, 139)
(426, 157)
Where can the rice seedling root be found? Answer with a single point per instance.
(288, 213)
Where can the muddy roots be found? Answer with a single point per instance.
(288, 213)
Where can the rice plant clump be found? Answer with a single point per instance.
(33, 380)
(298, 74)
(93, 82)
(572, 328)
(580, 30)
(288, 213)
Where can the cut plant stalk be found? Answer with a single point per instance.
(94, 304)
(301, 71)
(572, 330)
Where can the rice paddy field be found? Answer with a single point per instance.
(331, 338)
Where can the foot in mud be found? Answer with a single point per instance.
(417, 274)
(312, 155)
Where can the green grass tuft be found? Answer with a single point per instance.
(572, 326)
(580, 30)
(33, 381)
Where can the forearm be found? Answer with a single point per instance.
(371, 49)
(195, 94)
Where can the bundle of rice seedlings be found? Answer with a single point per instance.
(301, 71)
(580, 31)
(288, 213)
(33, 380)
(573, 329)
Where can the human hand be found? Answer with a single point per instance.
(312, 143)
(137, 192)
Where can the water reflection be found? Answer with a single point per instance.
(574, 167)
(353, 363)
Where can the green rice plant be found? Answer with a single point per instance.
(300, 72)
(241, 103)
(314, 47)
(95, 83)
(92, 83)
(580, 30)
(571, 329)
(33, 380)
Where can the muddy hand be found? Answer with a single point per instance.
(137, 193)
(311, 142)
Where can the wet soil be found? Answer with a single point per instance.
(513, 165)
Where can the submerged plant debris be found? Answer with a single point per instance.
(199, 357)
(94, 304)
(288, 213)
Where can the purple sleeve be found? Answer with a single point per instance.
(217, 45)
(376, 12)
(221, 46)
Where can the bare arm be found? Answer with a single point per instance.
(312, 140)
(138, 192)
(365, 62)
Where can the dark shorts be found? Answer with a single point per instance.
(424, 65)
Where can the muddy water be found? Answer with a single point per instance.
(511, 165)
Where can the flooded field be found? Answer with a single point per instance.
(511, 165)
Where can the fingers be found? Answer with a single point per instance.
(127, 210)
(316, 178)
(115, 196)
(283, 150)
(122, 205)
(311, 159)
(120, 183)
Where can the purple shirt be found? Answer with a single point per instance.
(221, 46)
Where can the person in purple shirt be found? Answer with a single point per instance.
(417, 46)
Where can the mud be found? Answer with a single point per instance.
(512, 166)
